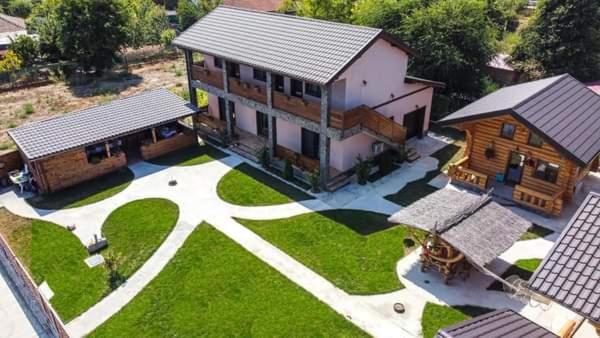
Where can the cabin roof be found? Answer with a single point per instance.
(503, 323)
(308, 49)
(478, 227)
(570, 273)
(99, 123)
(560, 109)
(258, 5)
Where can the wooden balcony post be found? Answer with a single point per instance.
(107, 147)
(154, 140)
(189, 61)
(324, 141)
(228, 112)
(271, 125)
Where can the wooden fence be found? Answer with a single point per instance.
(40, 308)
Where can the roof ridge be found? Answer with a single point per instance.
(559, 78)
(295, 17)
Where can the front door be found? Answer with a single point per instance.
(514, 171)
(310, 144)
(262, 124)
(413, 122)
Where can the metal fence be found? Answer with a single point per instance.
(40, 308)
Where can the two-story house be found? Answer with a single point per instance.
(537, 141)
(316, 92)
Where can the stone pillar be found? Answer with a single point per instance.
(272, 119)
(228, 112)
(189, 61)
(324, 141)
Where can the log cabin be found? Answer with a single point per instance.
(539, 139)
(63, 151)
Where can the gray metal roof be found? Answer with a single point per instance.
(100, 123)
(303, 48)
(478, 227)
(560, 109)
(570, 273)
(503, 323)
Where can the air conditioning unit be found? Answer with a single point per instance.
(377, 148)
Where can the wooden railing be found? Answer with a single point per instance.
(213, 78)
(380, 124)
(40, 308)
(459, 172)
(548, 204)
(251, 91)
(296, 159)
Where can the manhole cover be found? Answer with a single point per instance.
(399, 308)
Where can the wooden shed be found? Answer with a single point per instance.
(69, 149)
(538, 139)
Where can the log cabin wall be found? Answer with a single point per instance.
(69, 168)
(11, 160)
(485, 132)
(161, 147)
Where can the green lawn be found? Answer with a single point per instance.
(136, 229)
(55, 255)
(523, 268)
(418, 189)
(536, 231)
(192, 155)
(85, 193)
(436, 317)
(215, 288)
(355, 250)
(246, 185)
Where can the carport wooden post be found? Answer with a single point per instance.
(154, 135)
(107, 147)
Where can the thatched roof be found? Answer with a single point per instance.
(476, 226)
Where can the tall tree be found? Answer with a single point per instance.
(146, 22)
(189, 11)
(91, 32)
(26, 48)
(563, 37)
(385, 14)
(45, 21)
(331, 10)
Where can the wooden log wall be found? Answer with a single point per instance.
(69, 168)
(485, 132)
(11, 160)
(161, 147)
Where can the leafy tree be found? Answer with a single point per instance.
(332, 10)
(455, 40)
(563, 37)
(503, 13)
(20, 8)
(384, 14)
(189, 11)
(26, 48)
(45, 21)
(146, 22)
(91, 32)
(10, 62)
(167, 37)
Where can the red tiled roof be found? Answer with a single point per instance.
(258, 5)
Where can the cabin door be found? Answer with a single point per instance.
(413, 122)
(514, 170)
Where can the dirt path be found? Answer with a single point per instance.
(59, 98)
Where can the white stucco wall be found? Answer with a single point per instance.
(344, 153)
(398, 108)
(213, 105)
(289, 135)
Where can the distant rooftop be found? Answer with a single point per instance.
(11, 24)
(258, 5)
(562, 110)
(499, 61)
(504, 323)
(99, 123)
(570, 273)
(308, 49)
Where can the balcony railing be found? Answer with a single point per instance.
(460, 173)
(251, 91)
(548, 204)
(210, 77)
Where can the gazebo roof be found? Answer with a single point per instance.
(475, 225)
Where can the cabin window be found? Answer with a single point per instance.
(310, 144)
(278, 83)
(222, 112)
(296, 88)
(535, 140)
(546, 171)
(96, 153)
(262, 124)
(233, 70)
(218, 62)
(259, 75)
(508, 131)
(313, 90)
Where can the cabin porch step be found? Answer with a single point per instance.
(339, 182)
(412, 155)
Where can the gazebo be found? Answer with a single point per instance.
(462, 229)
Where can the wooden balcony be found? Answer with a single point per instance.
(460, 173)
(548, 204)
(375, 122)
(251, 91)
(213, 78)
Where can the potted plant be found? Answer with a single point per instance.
(313, 179)
(288, 170)
(362, 169)
(265, 161)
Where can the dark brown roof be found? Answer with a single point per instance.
(561, 109)
(503, 323)
(570, 273)
(9, 24)
(476, 226)
(258, 5)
